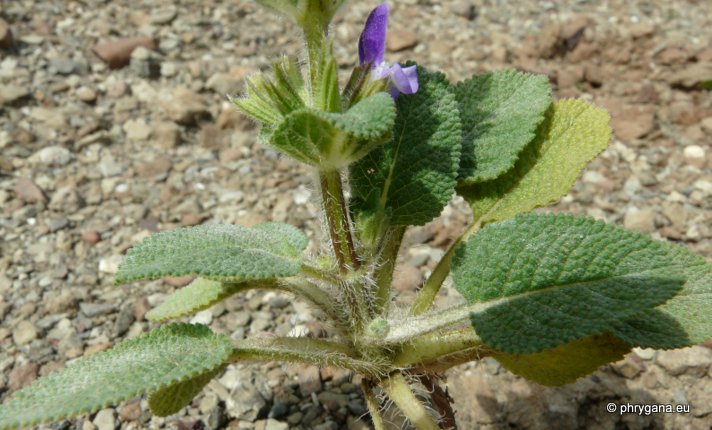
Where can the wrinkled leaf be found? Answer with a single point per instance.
(572, 134)
(166, 356)
(557, 278)
(196, 296)
(172, 398)
(500, 112)
(565, 363)
(413, 176)
(217, 251)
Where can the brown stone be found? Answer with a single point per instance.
(178, 281)
(189, 220)
(130, 411)
(117, 54)
(400, 39)
(691, 76)
(672, 55)
(140, 308)
(91, 237)
(22, 376)
(309, 381)
(28, 192)
(406, 277)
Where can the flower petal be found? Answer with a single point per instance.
(372, 43)
(405, 79)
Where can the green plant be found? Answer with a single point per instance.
(551, 297)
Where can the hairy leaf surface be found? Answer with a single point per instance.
(413, 176)
(565, 363)
(572, 134)
(556, 278)
(217, 251)
(172, 398)
(500, 112)
(332, 140)
(196, 296)
(166, 356)
(684, 320)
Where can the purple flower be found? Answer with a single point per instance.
(372, 46)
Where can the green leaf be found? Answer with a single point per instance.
(500, 112)
(198, 295)
(551, 279)
(172, 398)
(684, 320)
(333, 140)
(166, 356)
(413, 177)
(565, 363)
(216, 251)
(572, 135)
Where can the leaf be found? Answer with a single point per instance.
(196, 296)
(565, 363)
(216, 251)
(333, 140)
(172, 398)
(572, 135)
(166, 356)
(413, 177)
(684, 320)
(551, 279)
(500, 112)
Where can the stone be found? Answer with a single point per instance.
(22, 376)
(186, 107)
(96, 309)
(28, 192)
(465, 9)
(273, 424)
(91, 237)
(6, 39)
(24, 333)
(137, 130)
(249, 404)
(124, 320)
(166, 134)
(105, 420)
(130, 411)
(145, 63)
(633, 123)
(695, 156)
(10, 94)
(156, 169)
(692, 361)
(309, 381)
(109, 167)
(642, 29)
(52, 155)
(86, 94)
(407, 277)
(400, 39)
(110, 264)
(642, 220)
(164, 15)
(117, 54)
(690, 76)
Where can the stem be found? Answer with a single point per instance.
(442, 402)
(305, 350)
(336, 213)
(320, 274)
(440, 349)
(399, 391)
(384, 273)
(332, 196)
(372, 403)
(432, 285)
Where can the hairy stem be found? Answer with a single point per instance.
(384, 273)
(400, 392)
(342, 241)
(304, 350)
(317, 273)
(440, 349)
(442, 402)
(332, 196)
(432, 285)
(372, 403)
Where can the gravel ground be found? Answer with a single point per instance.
(95, 158)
